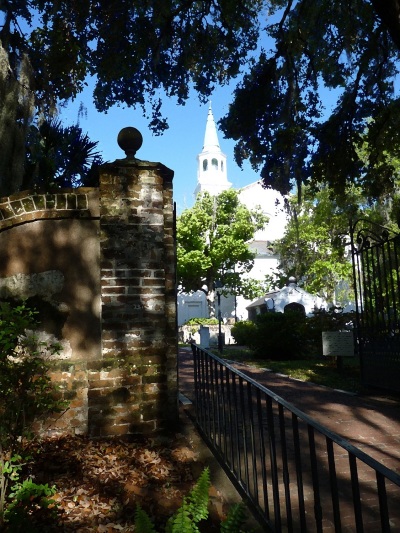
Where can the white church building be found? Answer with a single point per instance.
(212, 176)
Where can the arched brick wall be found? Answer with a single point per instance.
(100, 265)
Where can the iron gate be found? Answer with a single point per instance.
(376, 258)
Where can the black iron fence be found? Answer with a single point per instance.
(376, 262)
(295, 474)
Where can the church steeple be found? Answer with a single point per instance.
(211, 136)
(211, 162)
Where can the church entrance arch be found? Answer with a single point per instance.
(294, 307)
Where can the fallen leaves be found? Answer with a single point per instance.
(100, 482)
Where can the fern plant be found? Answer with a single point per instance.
(234, 520)
(143, 524)
(193, 510)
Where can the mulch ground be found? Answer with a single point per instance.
(100, 482)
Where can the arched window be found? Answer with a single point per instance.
(222, 166)
(296, 307)
(214, 163)
(205, 164)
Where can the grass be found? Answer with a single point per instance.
(319, 370)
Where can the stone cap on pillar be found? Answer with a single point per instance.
(130, 140)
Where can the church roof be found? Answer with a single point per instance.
(211, 136)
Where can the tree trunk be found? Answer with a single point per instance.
(212, 311)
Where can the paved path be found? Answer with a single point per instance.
(370, 423)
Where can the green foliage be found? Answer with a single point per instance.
(212, 244)
(59, 157)
(280, 336)
(31, 505)
(280, 116)
(290, 335)
(182, 521)
(331, 320)
(139, 50)
(234, 520)
(251, 288)
(201, 321)
(193, 510)
(243, 332)
(9, 472)
(313, 248)
(26, 393)
(143, 524)
(135, 51)
(315, 245)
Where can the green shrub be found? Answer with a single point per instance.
(280, 336)
(31, 506)
(201, 322)
(326, 321)
(26, 393)
(243, 332)
(275, 336)
(290, 335)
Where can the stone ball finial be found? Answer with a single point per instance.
(130, 140)
(292, 280)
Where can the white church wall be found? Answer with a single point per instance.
(272, 204)
(263, 265)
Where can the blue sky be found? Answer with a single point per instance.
(177, 148)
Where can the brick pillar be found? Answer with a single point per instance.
(133, 389)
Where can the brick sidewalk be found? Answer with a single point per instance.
(372, 424)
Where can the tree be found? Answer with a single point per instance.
(314, 248)
(277, 115)
(212, 245)
(139, 50)
(135, 50)
(60, 157)
(16, 112)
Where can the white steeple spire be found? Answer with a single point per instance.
(211, 136)
(211, 162)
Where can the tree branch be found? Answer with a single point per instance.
(389, 12)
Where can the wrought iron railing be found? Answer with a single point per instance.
(294, 474)
(376, 270)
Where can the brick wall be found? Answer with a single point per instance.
(28, 205)
(100, 264)
(136, 389)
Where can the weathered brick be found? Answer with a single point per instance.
(112, 430)
(122, 395)
(40, 201)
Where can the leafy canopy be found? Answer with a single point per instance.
(133, 48)
(278, 117)
(315, 245)
(136, 51)
(291, 49)
(212, 241)
(59, 157)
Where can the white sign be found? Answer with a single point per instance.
(338, 343)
